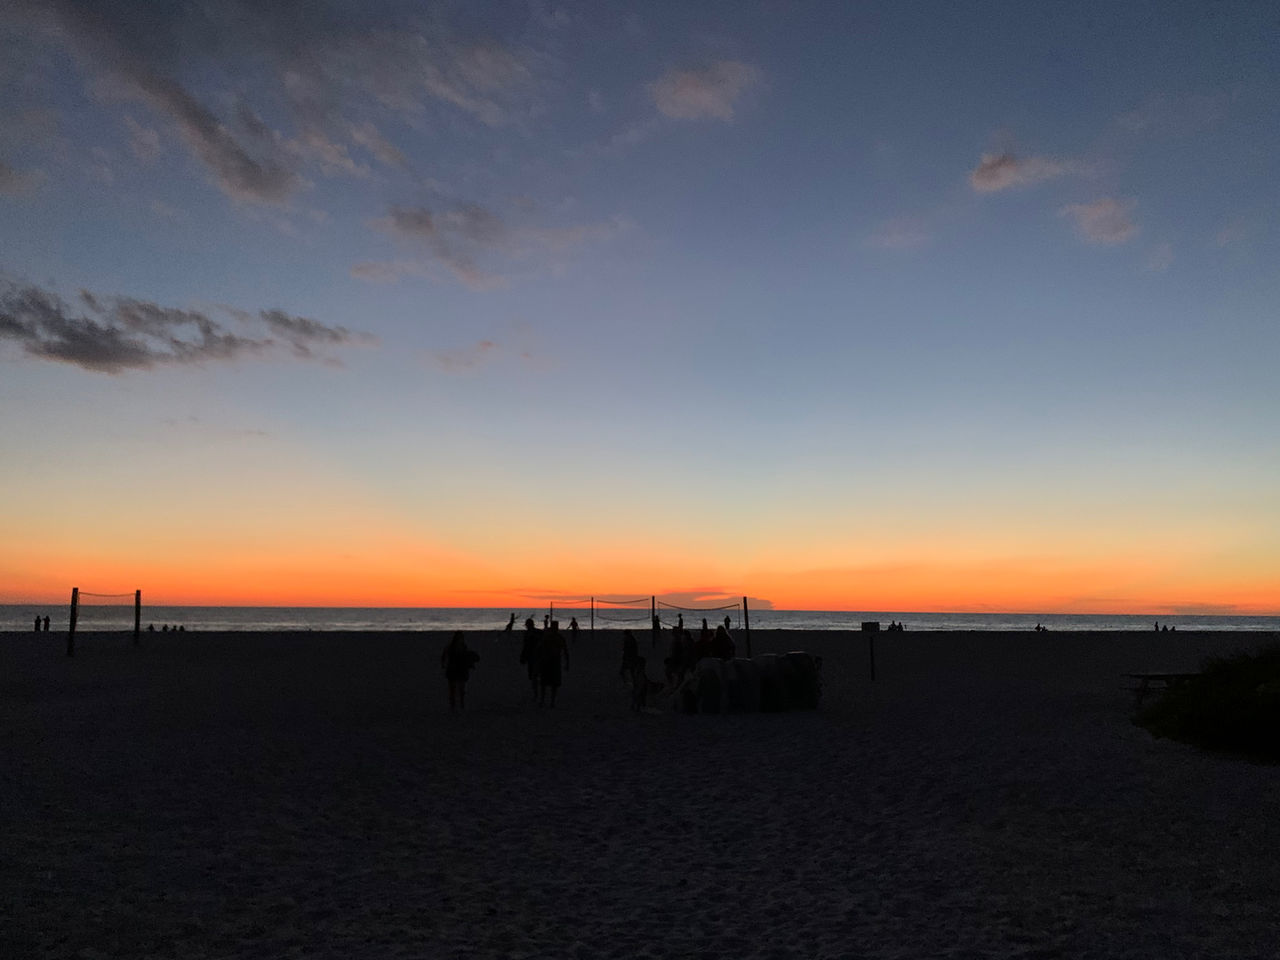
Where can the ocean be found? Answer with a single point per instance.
(120, 617)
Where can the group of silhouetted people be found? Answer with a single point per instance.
(545, 656)
(895, 627)
(1165, 629)
(685, 651)
(41, 624)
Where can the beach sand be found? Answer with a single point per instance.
(309, 795)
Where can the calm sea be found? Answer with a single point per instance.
(120, 617)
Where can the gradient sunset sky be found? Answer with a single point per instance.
(868, 306)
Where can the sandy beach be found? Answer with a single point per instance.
(309, 795)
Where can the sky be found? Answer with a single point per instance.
(864, 306)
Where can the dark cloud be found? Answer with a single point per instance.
(118, 334)
(326, 74)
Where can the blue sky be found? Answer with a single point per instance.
(752, 288)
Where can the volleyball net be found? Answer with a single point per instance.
(643, 613)
(103, 612)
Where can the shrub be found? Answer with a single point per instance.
(1232, 706)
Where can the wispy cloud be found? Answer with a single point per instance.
(1231, 232)
(1005, 171)
(708, 93)
(118, 334)
(1160, 259)
(144, 142)
(465, 358)
(472, 243)
(1106, 221)
(18, 182)
(902, 233)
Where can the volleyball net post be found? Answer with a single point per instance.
(71, 623)
(137, 616)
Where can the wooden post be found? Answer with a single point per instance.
(71, 627)
(871, 651)
(137, 616)
(593, 618)
(653, 619)
(746, 624)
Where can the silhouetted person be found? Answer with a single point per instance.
(37, 628)
(165, 628)
(1157, 626)
(1165, 628)
(722, 645)
(629, 653)
(573, 630)
(680, 621)
(457, 662)
(704, 646)
(151, 628)
(46, 624)
(546, 621)
(530, 648)
(552, 651)
(726, 621)
(511, 624)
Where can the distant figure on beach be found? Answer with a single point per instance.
(530, 648)
(546, 621)
(165, 628)
(573, 630)
(457, 661)
(37, 623)
(46, 624)
(629, 653)
(1157, 626)
(726, 622)
(1165, 628)
(552, 651)
(1038, 628)
(511, 624)
(151, 628)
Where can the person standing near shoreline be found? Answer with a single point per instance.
(530, 648)
(552, 650)
(457, 660)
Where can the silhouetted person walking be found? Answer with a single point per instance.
(530, 647)
(457, 661)
(46, 624)
(553, 649)
(629, 653)
(37, 627)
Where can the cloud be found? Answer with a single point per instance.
(904, 233)
(1160, 259)
(1230, 233)
(118, 334)
(709, 93)
(467, 358)
(129, 62)
(1004, 171)
(144, 142)
(471, 241)
(19, 182)
(332, 75)
(1106, 221)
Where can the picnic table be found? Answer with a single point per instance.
(1144, 683)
